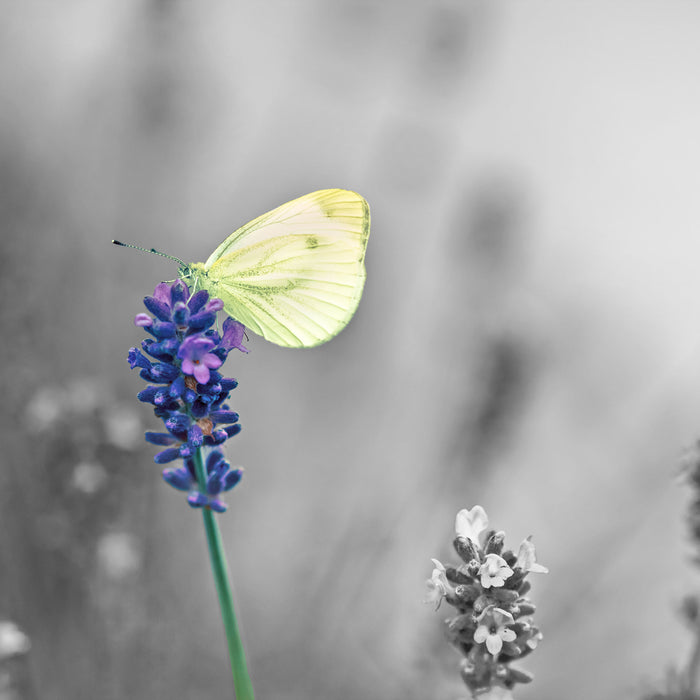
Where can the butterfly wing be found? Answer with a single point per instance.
(295, 275)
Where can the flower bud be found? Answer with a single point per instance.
(456, 575)
(516, 675)
(198, 300)
(494, 544)
(526, 607)
(466, 549)
(158, 308)
(503, 595)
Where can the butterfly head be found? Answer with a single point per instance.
(190, 273)
(186, 274)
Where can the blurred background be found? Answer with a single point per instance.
(527, 339)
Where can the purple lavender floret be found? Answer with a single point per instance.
(220, 478)
(186, 390)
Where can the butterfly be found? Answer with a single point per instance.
(294, 275)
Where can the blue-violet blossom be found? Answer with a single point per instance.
(187, 391)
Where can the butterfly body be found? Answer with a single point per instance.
(294, 275)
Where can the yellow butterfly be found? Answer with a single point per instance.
(294, 275)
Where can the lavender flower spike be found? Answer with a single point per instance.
(494, 625)
(186, 390)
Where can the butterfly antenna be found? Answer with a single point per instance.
(149, 250)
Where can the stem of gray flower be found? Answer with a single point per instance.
(693, 670)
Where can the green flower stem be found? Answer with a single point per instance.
(241, 679)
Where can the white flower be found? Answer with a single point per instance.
(527, 559)
(471, 523)
(89, 477)
(534, 640)
(118, 555)
(122, 427)
(438, 586)
(494, 630)
(13, 641)
(494, 571)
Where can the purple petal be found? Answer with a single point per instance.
(158, 308)
(160, 438)
(234, 332)
(215, 305)
(138, 359)
(211, 361)
(163, 329)
(195, 437)
(232, 478)
(188, 366)
(228, 384)
(179, 291)
(180, 313)
(169, 455)
(178, 478)
(201, 373)
(232, 430)
(189, 465)
(197, 500)
(148, 394)
(177, 388)
(213, 460)
(163, 293)
(217, 437)
(202, 320)
(194, 347)
(224, 416)
(164, 372)
(143, 320)
(198, 300)
(178, 423)
(214, 485)
(216, 505)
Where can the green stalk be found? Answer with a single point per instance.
(241, 679)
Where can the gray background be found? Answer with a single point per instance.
(527, 340)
